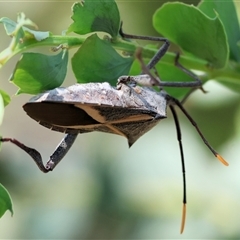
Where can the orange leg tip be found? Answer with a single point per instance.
(221, 159)
(184, 209)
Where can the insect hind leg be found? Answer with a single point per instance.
(55, 158)
(160, 53)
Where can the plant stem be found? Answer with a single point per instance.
(230, 71)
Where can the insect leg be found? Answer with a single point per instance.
(173, 100)
(61, 151)
(36, 156)
(56, 157)
(150, 80)
(160, 53)
(196, 83)
(191, 74)
(179, 138)
(155, 59)
(176, 102)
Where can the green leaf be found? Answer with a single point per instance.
(4, 101)
(228, 15)
(6, 98)
(37, 35)
(97, 61)
(35, 72)
(231, 83)
(18, 29)
(1, 109)
(193, 31)
(5, 201)
(21, 36)
(9, 25)
(95, 16)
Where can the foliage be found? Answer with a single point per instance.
(5, 201)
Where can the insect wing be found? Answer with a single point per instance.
(82, 108)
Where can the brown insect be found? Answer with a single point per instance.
(128, 110)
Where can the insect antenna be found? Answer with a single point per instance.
(179, 138)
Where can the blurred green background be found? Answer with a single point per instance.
(102, 189)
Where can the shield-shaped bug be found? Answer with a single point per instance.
(130, 109)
